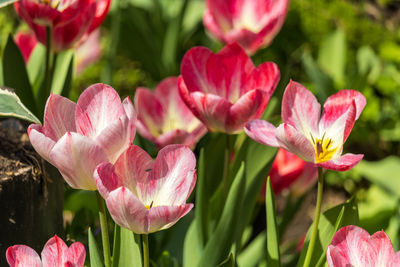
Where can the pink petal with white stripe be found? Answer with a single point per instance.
(42, 143)
(163, 217)
(54, 252)
(262, 132)
(151, 112)
(22, 256)
(265, 77)
(106, 179)
(76, 255)
(97, 106)
(300, 109)
(127, 210)
(294, 141)
(343, 163)
(76, 157)
(181, 137)
(173, 176)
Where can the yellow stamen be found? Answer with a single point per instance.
(323, 149)
(149, 206)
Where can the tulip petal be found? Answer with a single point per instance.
(102, 7)
(163, 217)
(181, 137)
(97, 106)
(344, 163)
(212, 109)
(59, 116)
(294, 141)
(127, 210)
(54, 252)
(40, 141)
(106, 179)
(151, 112)
(76, 157)
(173, 176)
(265, 77)
(301, 109)
(249, 106)
(21, 255)
(383, 246)
(262, 132)
(75, 255)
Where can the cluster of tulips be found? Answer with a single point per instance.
(91, 142)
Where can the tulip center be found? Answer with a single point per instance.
(149, 206)
(324, 149)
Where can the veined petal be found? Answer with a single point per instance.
(344, 163)
(173, 176)
(133, 168)
(106, 179)
(336, 105)
(102, 7)
(97, 106)
(54, 252)
(59, 116)
(76, 255)
(181, 137)
(384, 248)
(127, 210)
(21, 255)
(222, 13)
(40, 141)
(76, 157)
(395, 260)
(294, 141)
(212, 110)
(163, 217)
(300, 109)
(132, 116)
(265, 77)
(249, 106)
(151, 112)
(262, 132)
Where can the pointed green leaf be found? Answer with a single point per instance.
(229, 262)
(127, 248)
(15, 75)
(330, 222)
(254, 253)
(35, 67)
(95, 258)
(273, 254)
(225, 233)
(62, 69)
(11, 106)
(191, 248)
(201, 202)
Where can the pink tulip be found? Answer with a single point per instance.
(70, 21)
(303, 131)
(290, 172)
(75, 138)
(225, 90)
(251, 23)
(26, 42)
(54, 254)
(145, 196)
(88, 52)
(164, 118)
(353, 246)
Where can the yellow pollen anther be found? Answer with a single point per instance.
(149, 206)
(323, 149)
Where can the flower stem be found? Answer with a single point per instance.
(47, 64)
(104, 230)
(146, 258)
(227, 156)
(311, 245)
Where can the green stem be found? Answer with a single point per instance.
(146, 258)
(52, 70)
(313, 239)
(225, 175)
(104, 230)
(47, 63)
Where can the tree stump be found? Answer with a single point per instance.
(31, 192)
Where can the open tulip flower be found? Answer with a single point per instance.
(353, 246)
(75, 138)
(54, 254)
(308, 135)
(164, 118)
(145, 196)
(70, 22)
(225, 90)
(251, 23)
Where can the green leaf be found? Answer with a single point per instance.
(63, 69)
(225, 233)
(229, 262)
(15, 75)
(254, 253)
(191, 248)
(201, 209)
(384, 173)
(330, 222)
(273, 254)
(368, 63)
(167, 260)
(1, 74)
(4, 3)
(332, 55)
(127, 248)
(95, 258)
(35, 67)
(11, 106)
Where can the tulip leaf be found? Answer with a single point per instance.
(273, 254)
(35, 67)
(95, 258)
(11, 106)
(228, 262)
(330, 222)
(224, 235)
(201, 202)
(15, 74)
(63, 73)
(191, 247)
(127, 248)
(254, 253)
